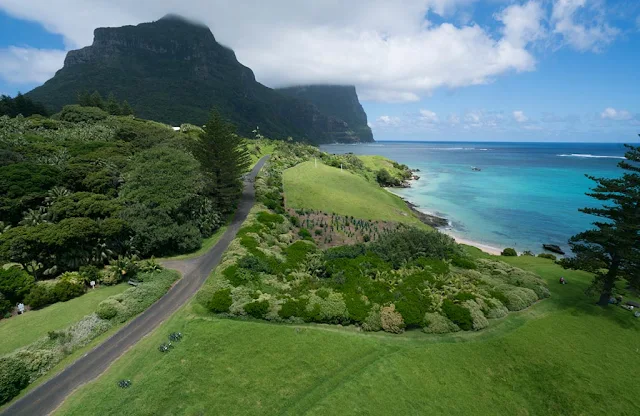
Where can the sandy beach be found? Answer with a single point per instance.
(486, 248)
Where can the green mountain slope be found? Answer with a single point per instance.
(174, 71)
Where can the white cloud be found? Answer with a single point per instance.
(387, 121)
(472, 117)
(453, 119)
(582, 25)
(428, 116)
(519, 116)
(388, 50)
(613, 114)
(522, 23)
(29, 65)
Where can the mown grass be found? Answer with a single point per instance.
(266, 148)
(563, 355)
(22, 330)
(376, 162)
(332, 190)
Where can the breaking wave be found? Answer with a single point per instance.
(585, 155)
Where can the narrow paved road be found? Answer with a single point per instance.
(48, 396)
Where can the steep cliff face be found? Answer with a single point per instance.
(340, 101)
(175, 72)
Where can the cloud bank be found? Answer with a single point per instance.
(392, 51)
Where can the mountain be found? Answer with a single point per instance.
(338, 101)
(174, 71)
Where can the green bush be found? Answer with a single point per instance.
(462, 296)
(5, 306)
(90, 273)
(254, 264)
(409, 244)
(257, 309)
(66, 290)
(14, 376)
(458, 315)
(464, 263)
(304, 234)
(109, 308)
(391, 320)
(15, 284)
(220, 301)
(77, 114)
(293, 308)
(345, 252)
(438, 324)
(41, 295)
(510, 252)
(373, 321)
(477, 316)
(269, 219)
(332, 309)
(547, 256)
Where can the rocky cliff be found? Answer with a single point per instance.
(175, 72)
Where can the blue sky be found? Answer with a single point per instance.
(537, 70)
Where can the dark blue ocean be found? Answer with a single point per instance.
(526, 194)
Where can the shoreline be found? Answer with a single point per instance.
(440, 224)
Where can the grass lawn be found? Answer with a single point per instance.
(330, 190)
(22, 330)
(376, 163)
(265, 149)
(563, 355)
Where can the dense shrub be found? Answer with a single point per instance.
(109, 308)
(269, 219)
(15, 284)
(345, 252)
(373, 321)
(293, 308)
(478, 318)
(41, 295)
(496, 309)
(438, 324)
(458, 315)
(65, 290)
(77, 114)
(463, 262)
(510, 252)
(90, 273)
(331, 309)
(254, 264)
(14, 376)
(257, 309)
(391, 320)
(304, 234)
(406, 245)
(220, 301)
(519, 298)
(547, 256)
(5, 306)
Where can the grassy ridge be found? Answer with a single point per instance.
(561, 356)
(22, 330)
(329, 189)
(375, 163)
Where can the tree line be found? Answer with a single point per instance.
(111, 105)
(20, 105)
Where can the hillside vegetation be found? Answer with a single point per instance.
(332, 190)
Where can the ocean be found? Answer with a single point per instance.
(525, 195)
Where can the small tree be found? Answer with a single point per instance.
(96, 100)
(112, 107)
(612, 249)
(126, 109)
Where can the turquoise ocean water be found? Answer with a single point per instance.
(526, 194)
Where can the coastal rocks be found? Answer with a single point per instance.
(553, 248)
(428, 219)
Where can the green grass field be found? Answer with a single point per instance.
(563, 356)
(330, 190)
(375, 163)
(22, 330)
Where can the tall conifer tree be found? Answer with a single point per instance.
(224, 159)
(611, 250)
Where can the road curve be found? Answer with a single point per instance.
(47, 397)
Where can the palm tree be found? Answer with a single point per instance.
(101, 253)
(35, 216)
(55, 193)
